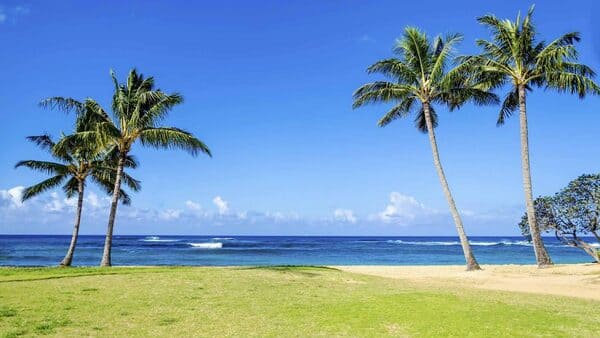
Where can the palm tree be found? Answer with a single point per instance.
(516, 58)
(420, 79)
(137, 108)
(74, 166)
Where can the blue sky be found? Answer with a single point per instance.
(268, 87)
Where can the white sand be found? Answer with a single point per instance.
(574, 280)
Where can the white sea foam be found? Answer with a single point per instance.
(157, 239)
(449, 243)
(215, 245)
(399, 241)
(222, 238)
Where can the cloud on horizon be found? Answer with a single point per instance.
(53, 213)
(344, 215)
(404, 210)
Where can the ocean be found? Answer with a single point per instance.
(48, 250)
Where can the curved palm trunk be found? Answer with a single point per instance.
(464, 241)
(113, 212)
(69, 256)
(541, 255)
(590, 250)
(596, 235)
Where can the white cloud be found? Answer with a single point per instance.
(169, 214)
(344, 215)
(92, 200)
(221, 204)
(403, 209)
(52, 213)
(193, 205)
(12, 197)
(2, 17)
(279, 216)
(55, 204)
(58, 204)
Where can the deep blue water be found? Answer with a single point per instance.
(46, 250)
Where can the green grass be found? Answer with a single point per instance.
(278, 301)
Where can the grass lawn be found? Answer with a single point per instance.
(277, 301)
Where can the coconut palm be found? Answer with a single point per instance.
(514, 57)
(420, 79)
(73, 166)
(137, 109)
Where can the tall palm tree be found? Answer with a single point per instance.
(515, 57)
(137, 109)
(74, 165)
(420, 78)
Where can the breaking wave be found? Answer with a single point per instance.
(157, 239)
(207, 245)
(449, 243)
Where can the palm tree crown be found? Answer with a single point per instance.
(137, 109)
(73, 166)
(515, 57)
(420, 75)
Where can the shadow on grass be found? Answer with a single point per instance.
(21, 274)
(305, 270)
(62, 273)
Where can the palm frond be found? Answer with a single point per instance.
(45, 185)
(381, 91)
(569, 82)
(509, 106)
(394, 69)
(415, 50)
(51, 168)
(441, 55)
(71, 188)
(66, 104)
(105, 178)
(155, 106)
(43, 141)
(421, 122)
(401, 110)
(81, 140)
(124, 197)
(170, 138)
(93, 114)
(131, 183)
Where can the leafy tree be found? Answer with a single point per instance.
(514, 57)
(419, 79)
(72, 167)
(571, 213)
(137, 109)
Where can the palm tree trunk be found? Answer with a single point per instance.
(541, 255)
(464, 241)
(69, 256)
(113, 212)
(590, 250)
(596, 235)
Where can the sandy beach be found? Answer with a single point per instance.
(574, 280)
